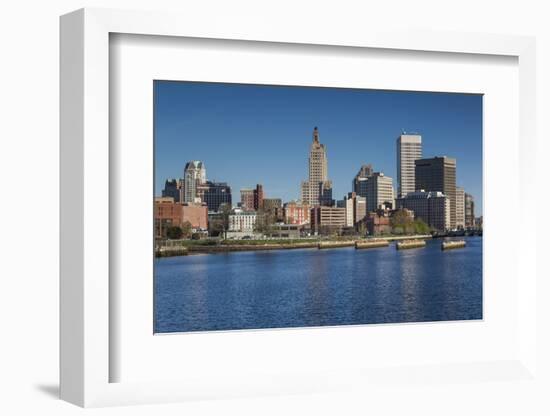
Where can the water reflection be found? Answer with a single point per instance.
(309, 287)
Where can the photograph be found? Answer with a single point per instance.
(282, 206)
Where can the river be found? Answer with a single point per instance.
(311, 287)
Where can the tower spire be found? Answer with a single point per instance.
(316, 134)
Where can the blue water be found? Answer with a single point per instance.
(311, 287)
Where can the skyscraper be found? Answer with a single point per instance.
(438, 174)
(409, 149)
(172, 189)
(317, 190)
(216, 194)
(460, 215)
(469, 216)
(379, 191)
(194, 175)
(359, 183)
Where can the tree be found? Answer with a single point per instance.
(362, 228)
(264, 221)
(420, 227)
(225, 211)
(215, 227)
(401, 222)
(186, 229)
(174, 233)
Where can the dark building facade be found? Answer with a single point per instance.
(171, 190)
(215, 194)
(275, 207)
(438, 174)
(258, 197)
(359, 183)
(469, 216)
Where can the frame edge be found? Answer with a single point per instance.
(71, 217)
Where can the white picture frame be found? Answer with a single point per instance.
(86, 355)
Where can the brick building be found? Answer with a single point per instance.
(378, 222)
(168, 213)
(296, 213)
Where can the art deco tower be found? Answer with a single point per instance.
(194, 175)
(317, 190)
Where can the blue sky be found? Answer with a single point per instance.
(248, 134)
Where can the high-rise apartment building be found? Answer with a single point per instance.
(317, 190)
(460, 214)
(469, 215)
(379, 191)
(194, 176)
(438, 174)
(409, 149)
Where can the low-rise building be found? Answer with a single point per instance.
(287, 231)
(196, 215)
(167, 213)
(296, 213)
(327, 220)
(378, 222)
(242, 221)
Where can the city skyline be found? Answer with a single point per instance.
(244, 145)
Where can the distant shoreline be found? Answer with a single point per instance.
(189, 247)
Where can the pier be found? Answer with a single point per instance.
(335, 244)
(407, 244)
(371, 244)
(449, 245)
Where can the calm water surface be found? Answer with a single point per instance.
(311, 287)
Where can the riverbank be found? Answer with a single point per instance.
(185, 247)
